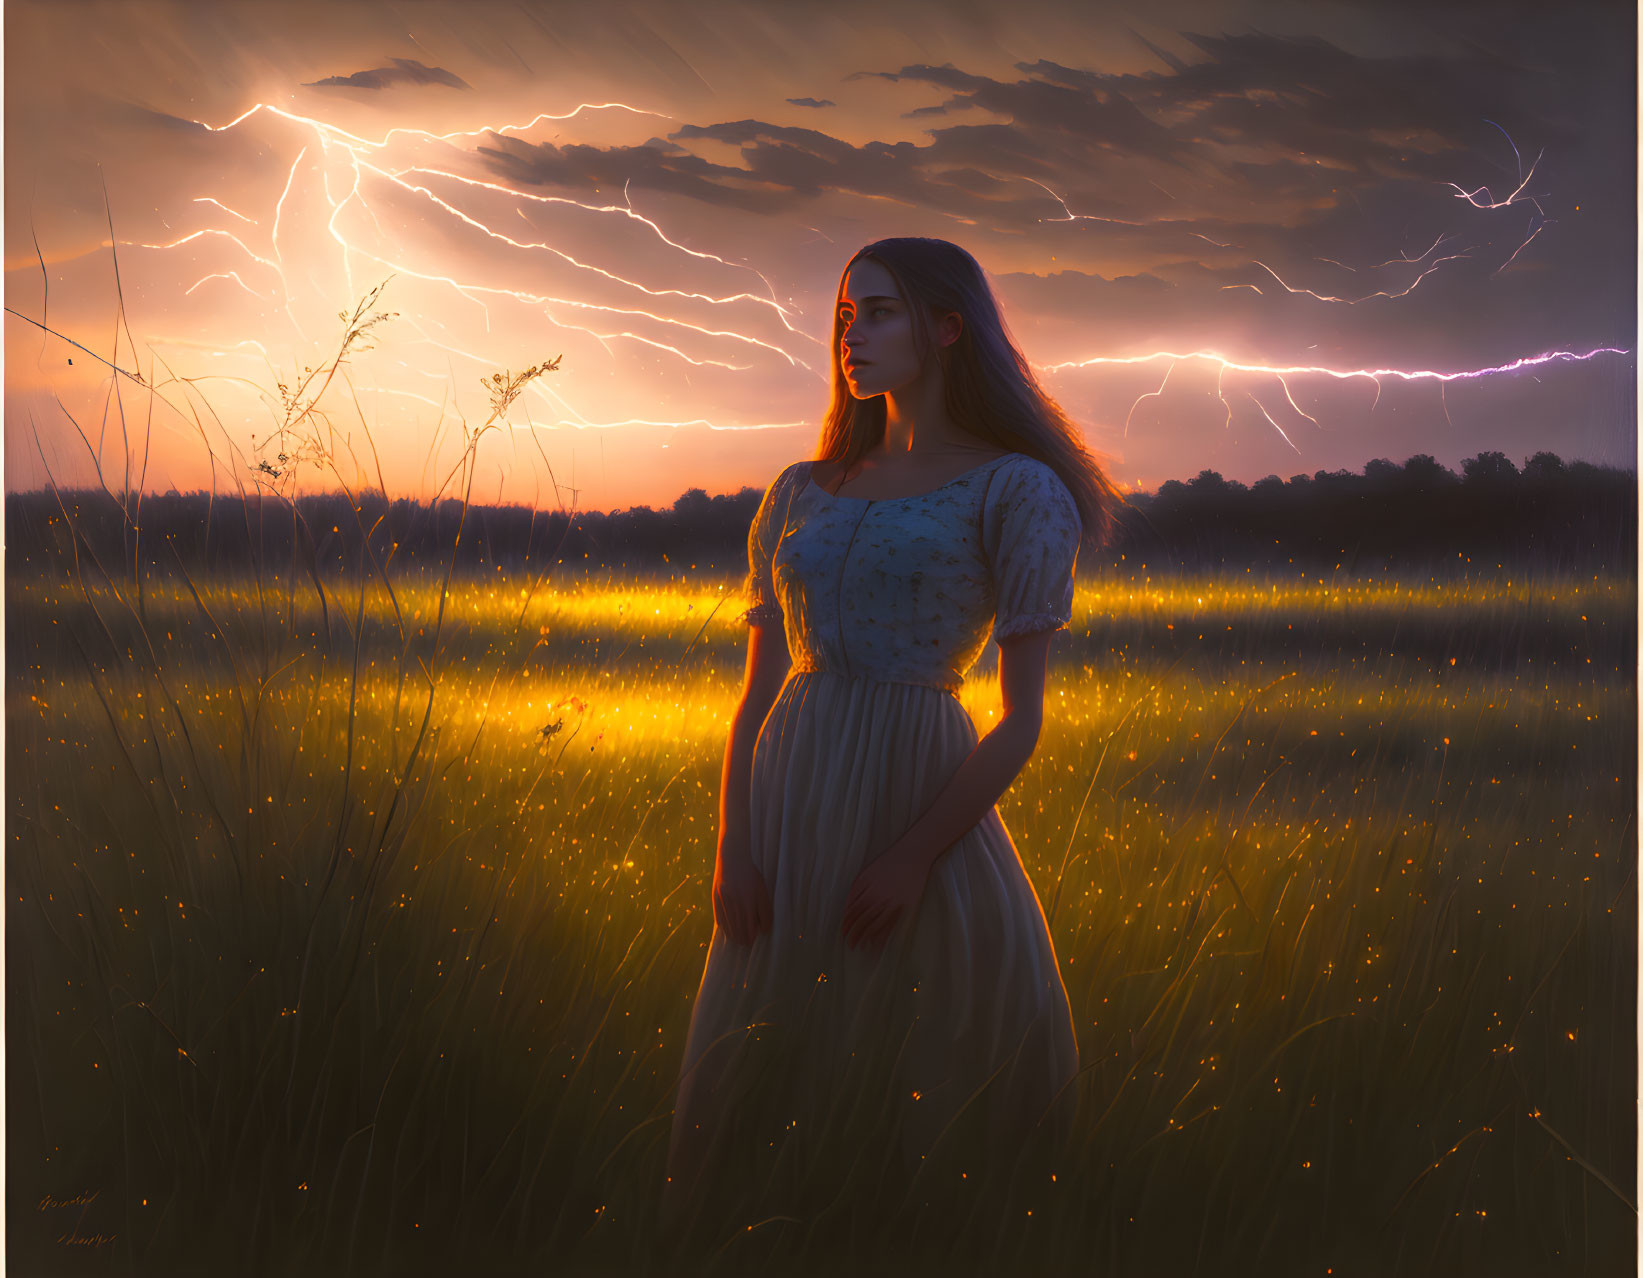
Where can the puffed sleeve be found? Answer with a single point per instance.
(762, 536)
(1031, 530)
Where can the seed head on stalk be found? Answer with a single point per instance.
(298, 402)
(504, 388)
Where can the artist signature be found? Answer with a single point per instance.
(72, 1237)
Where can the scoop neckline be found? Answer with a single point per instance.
(810, 479)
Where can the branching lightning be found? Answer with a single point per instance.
(1283, 371)
(360, 153)
(460, 201)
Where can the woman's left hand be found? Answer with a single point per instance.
(886, 891)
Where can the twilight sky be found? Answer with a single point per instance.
(1208, 223)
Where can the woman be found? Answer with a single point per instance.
(880, 1005)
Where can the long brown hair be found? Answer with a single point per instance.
(989, 389)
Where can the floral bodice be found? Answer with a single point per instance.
(907, 589)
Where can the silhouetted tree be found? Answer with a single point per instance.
(694, 503)
(1489, 468)
(1383, 475)
(1424, 473)
(1543, 466)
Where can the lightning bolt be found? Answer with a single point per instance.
(422, 182)
(226, 275)
(1283, 371)
(1489, 201)
(206, 199)
(1418, 374)
(1349, 301)
(1517, 250)
(1275, 426)
(423, 133)
(781, 311)
(194, 235)
(442, 192)
(1169, 224)
(1406, 260)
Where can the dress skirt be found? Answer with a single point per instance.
(813, 1071)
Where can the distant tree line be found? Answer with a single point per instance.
(1555, 515)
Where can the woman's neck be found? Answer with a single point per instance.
(916, 421)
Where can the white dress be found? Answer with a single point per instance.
(809, 1064)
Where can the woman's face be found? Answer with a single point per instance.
(876, 332)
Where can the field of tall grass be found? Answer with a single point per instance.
(354, 923)
(340, 945)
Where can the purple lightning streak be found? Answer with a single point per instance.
(1405, 261)
(1489, 201)
(1349, 301)
(1517, 250)
(1275, 426)
(1420, 374)
(1281, 371)
(1472, 197)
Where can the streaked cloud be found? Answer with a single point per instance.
(403, 71)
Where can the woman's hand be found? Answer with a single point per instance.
(741, 901)
(887, 890)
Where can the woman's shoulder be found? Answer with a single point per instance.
(791, 475)
(1021, 470)
(1027, 489)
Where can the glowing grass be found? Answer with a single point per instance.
(1324, 911)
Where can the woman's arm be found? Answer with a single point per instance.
(768, 662)
(995, 762)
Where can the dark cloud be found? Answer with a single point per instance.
(1091, 114)
(664, 167)
(403, 71)
(812, 102)
(1269, 158)
(1261, 123)
(960, 103)
(159, 119)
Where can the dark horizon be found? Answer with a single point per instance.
(1548, 517)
